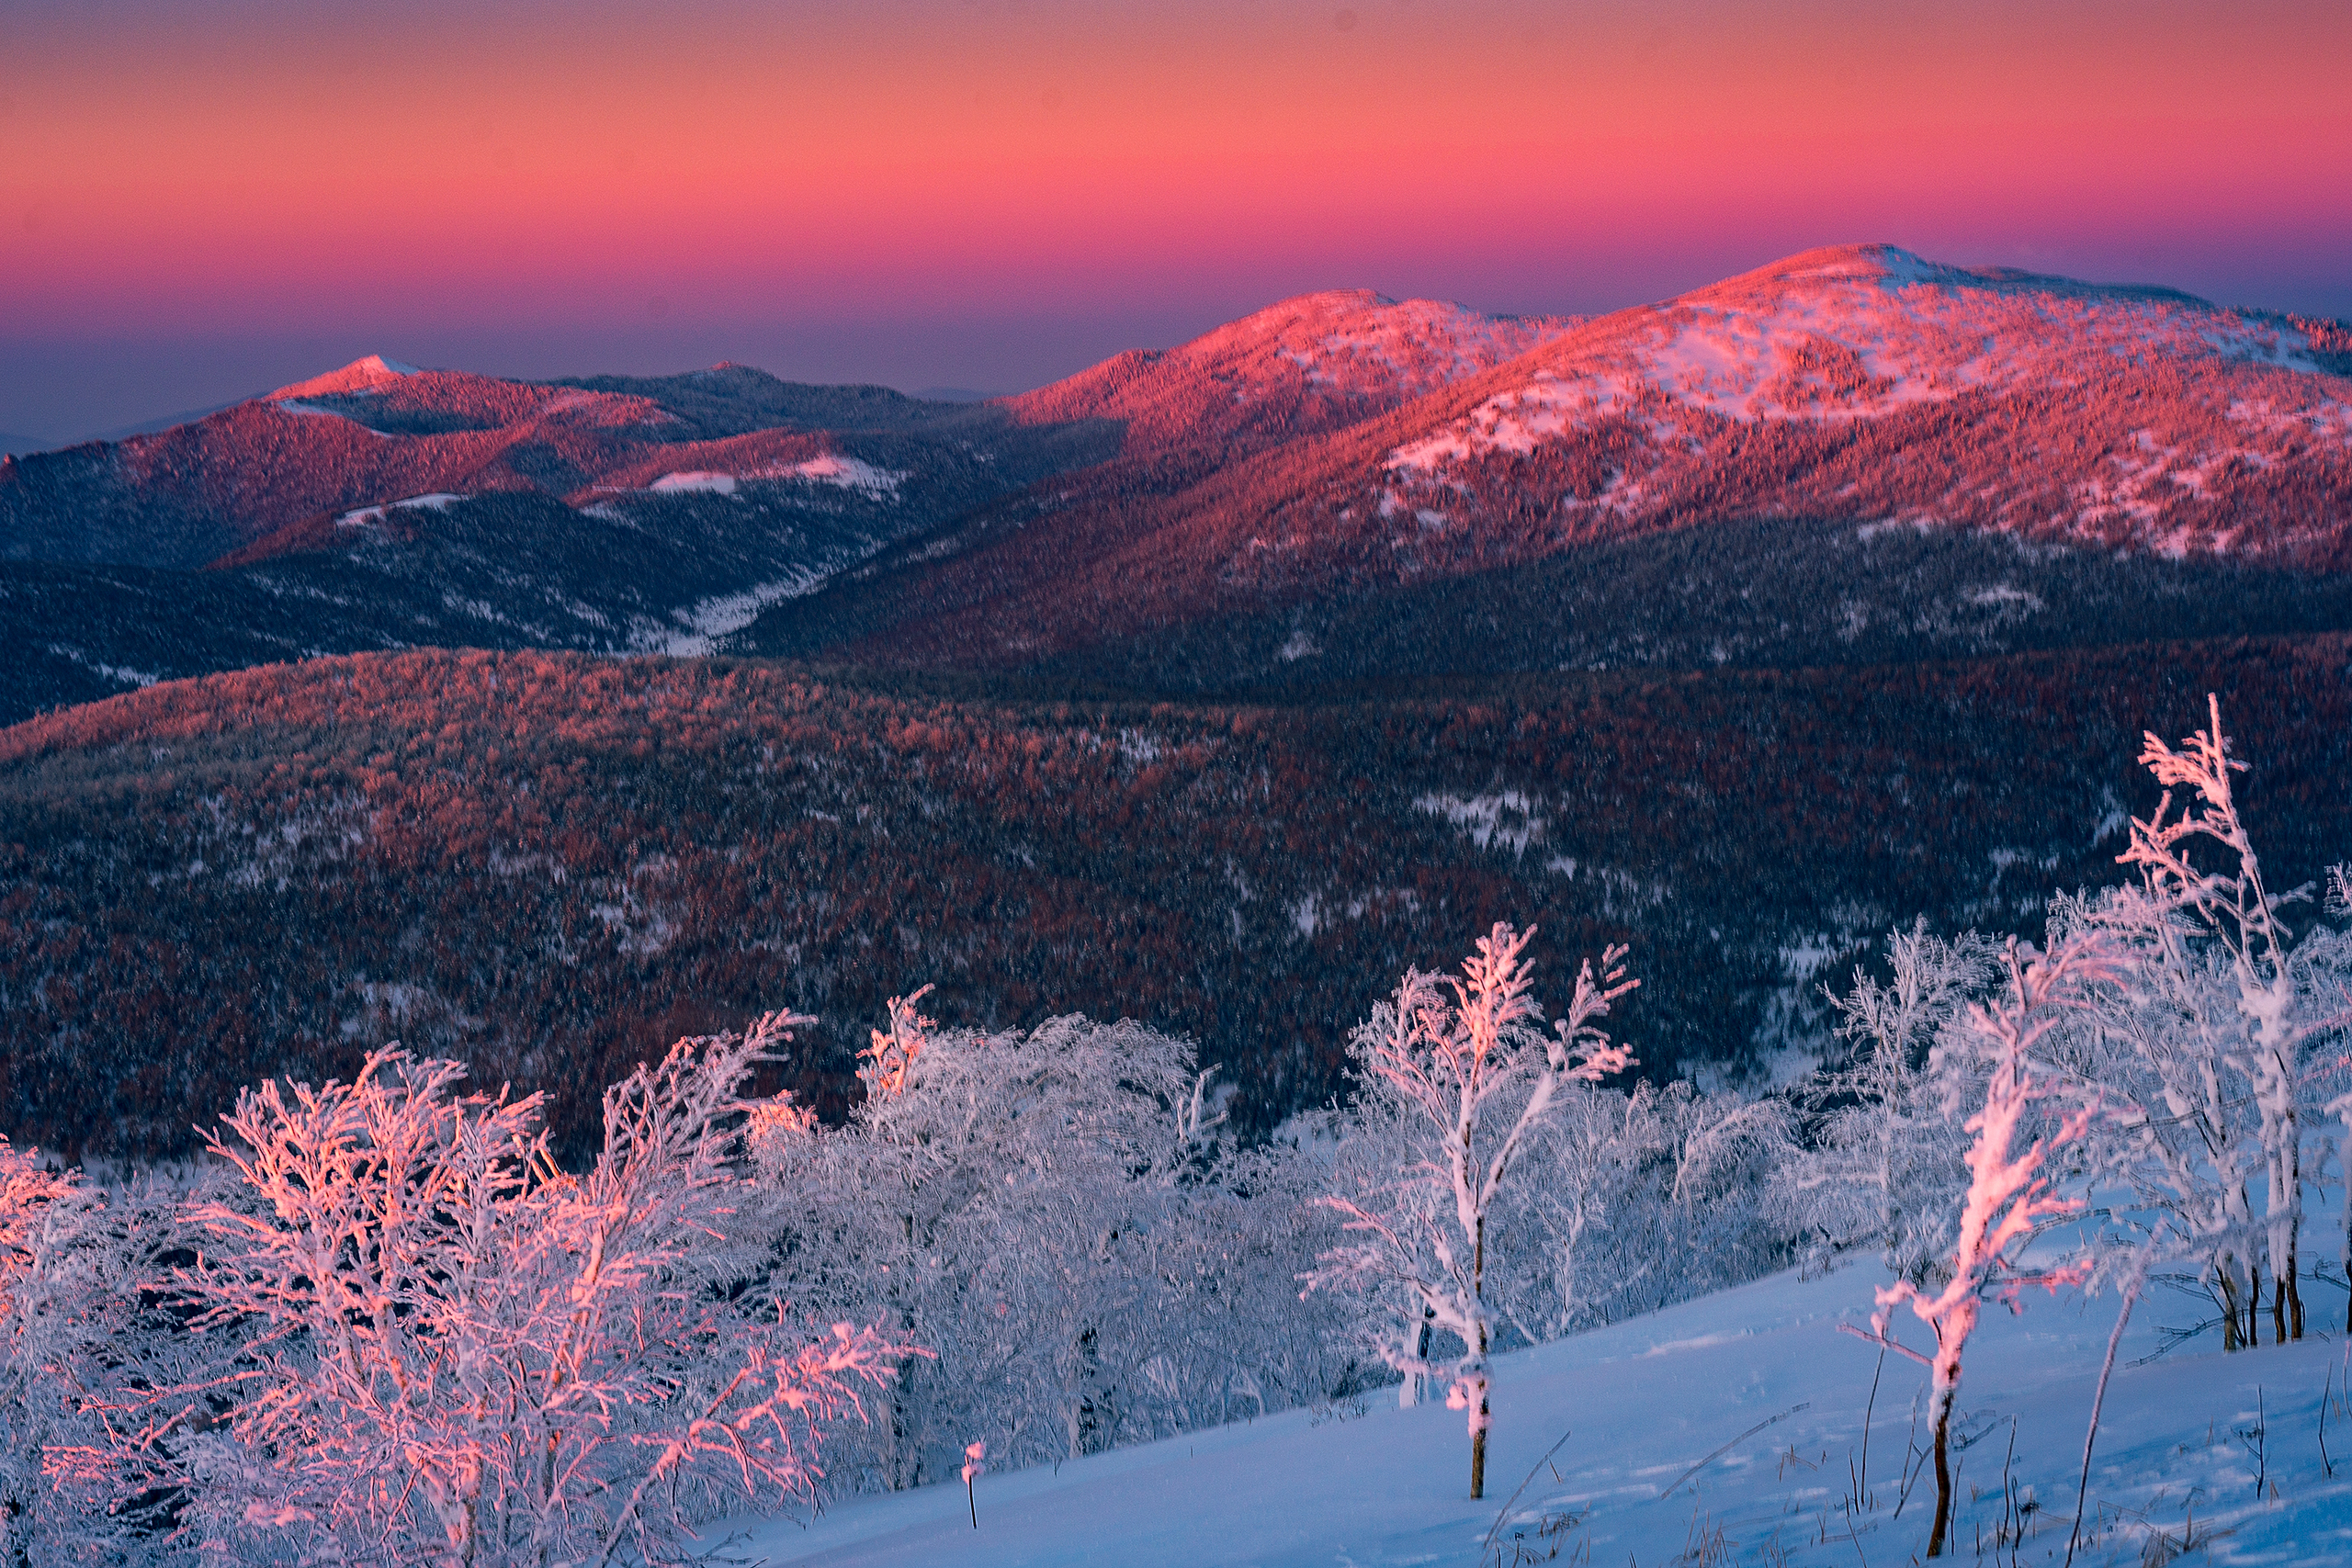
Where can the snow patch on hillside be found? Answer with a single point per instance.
(829, 468)
(701, 624)
(849, 473)
(1506, 818)
(439, 501)
(117, 672)
(695, 482)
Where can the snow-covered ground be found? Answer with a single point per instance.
(1635, 1406)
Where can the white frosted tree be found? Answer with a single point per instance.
(2009, 1198)
(1464, 1061)
(1052, 1212)
(2233, 997)
(461, 1354)
(1885, 1163)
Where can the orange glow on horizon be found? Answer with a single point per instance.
(173, 168)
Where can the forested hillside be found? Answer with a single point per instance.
(550, 864)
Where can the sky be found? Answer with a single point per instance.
(201, 201)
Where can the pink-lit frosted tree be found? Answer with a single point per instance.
(2009, 1199)
(464, 1355)
(2251, 1015)
(1467, 1061)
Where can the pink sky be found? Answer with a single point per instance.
(197, 201)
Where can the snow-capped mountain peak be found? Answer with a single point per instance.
(1313, 361)
(2151, 393)
(360, 375)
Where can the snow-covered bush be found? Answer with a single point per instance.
(83, 1337)
(44, 1216)
(456, 1352)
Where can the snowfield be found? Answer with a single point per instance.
(1635, 1406)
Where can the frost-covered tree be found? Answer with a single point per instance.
(44, 1216)
(2226, 994)
(460, 1354)
(1885, 1159)
(1055, 1214)
(1629, 1200)
(1467, 1066)
(2009, 1198)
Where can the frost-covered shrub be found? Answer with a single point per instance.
(446, 1350)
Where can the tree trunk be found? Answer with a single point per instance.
(2285, 1269)
(2225, 1276)
(2284, 1272)
(1943, 1472)
(2344, 1257)
(1479, 1420)
(1410, 1394)
(2252, 1335)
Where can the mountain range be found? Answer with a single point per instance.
(381, 505)
(1839, 397)
(1211, 685)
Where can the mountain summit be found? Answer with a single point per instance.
(1317, 362)
(359, 376)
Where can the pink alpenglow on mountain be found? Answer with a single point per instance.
(1864, 381)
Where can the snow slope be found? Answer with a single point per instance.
(1643, 1402)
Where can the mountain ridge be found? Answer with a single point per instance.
(1855, 383)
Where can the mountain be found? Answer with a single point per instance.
(381, 505)
(1846, 392)
(1315, 363)
(1124, 696)
(376, 433)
